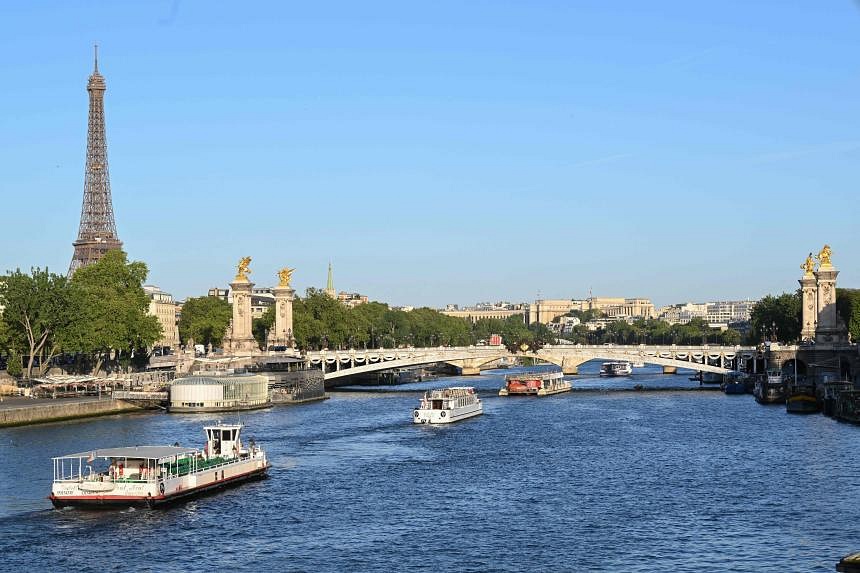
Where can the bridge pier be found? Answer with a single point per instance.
(670, 369)
(570, 365)
(470, 371)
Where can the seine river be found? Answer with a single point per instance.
(593, 480)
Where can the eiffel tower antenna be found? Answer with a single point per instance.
(97, 232)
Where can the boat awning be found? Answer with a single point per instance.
(142, 452)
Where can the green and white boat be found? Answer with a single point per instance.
(150, 476)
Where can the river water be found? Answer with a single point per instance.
(592, 480)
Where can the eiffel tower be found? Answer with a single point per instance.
(97, 232)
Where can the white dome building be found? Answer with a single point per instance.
(218, 393)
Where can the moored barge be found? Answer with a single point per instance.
(151, 476)
(832, 391)
(770, 389)
(800, 398)
(535, 384)
(848, 407)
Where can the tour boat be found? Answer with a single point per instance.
(150, 476)
(770, 389)
(448, 405)
(535, 384)
(616, 369)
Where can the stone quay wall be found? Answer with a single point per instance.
(42, 413)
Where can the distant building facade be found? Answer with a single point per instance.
(485, 310)
(547, 310)
(261, 299)
(352, 299)
(163, 307)
(717, 313)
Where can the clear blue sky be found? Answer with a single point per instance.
(444, 151)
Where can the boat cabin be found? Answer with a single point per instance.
(112, 465)
(223, 440)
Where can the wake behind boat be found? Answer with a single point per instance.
(150, 476)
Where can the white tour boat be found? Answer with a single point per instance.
(448, 405)
(150, 476)
(616, 369)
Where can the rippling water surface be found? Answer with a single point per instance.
(593, 480)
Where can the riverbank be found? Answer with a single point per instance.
(25, 411)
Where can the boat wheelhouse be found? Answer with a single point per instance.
(150, 476)
(734, 383)
(832, 390)
(770, 389)
(611, 369)
(535, 384)
(448, 405)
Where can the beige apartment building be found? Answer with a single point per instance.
(547, 310)
(352, 299)
(163, 307)
(473, 315)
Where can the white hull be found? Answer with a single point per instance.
(428, 416)
(156, 492)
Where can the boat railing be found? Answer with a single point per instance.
(247, 455)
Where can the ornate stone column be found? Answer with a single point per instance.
(284, 295)
(827, 329)
(809, 300)
(241, 338)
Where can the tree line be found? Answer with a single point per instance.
(96, 319)
(322, 322)
(653, 331)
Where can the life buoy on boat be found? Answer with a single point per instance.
(417, 413)
(442, 413)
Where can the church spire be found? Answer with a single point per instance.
(329, 287)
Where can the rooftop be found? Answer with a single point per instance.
(141, 452)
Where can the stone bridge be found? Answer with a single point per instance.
(717, 359)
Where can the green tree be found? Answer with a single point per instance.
(776, 316)
(110, 310)
(848, 307)
(586, 315)
(261, 326)
(204, 319)
(36, 311)
(320, 321)
(730, 337)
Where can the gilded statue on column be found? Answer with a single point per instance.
(285, 275)
(242, 270)
(808, 265)
(824, 257)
